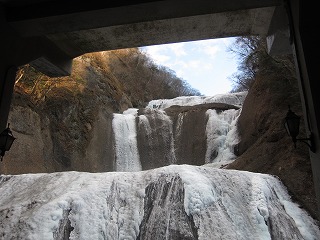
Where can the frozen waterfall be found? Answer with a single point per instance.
(124, 127)
(171, 198)
(151, 137)
(174, 202)
(230, 98)
(221, 136)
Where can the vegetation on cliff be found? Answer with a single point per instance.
(121, 76)
(71, 108)
(255, 62)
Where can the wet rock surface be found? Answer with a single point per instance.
(164, 214)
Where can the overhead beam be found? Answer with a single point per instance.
(279, 33)
(209, 26)
(7, 76)
(51, 17)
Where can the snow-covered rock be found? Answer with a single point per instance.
(172, 202)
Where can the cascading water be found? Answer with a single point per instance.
(231, 98)
(178, 129)
(221, 136)
(155, 138)
(127, 155)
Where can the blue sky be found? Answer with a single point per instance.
(205, 65)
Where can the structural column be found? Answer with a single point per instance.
(7, 80)
(304, 27)
(7, 69)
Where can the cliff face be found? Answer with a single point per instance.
(54, 126)
(177, 135)
(77, 136)
(65, 123)
(33, 143)
(67, 137)
(265, 146)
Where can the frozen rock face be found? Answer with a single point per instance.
(173, 202)
(187, 130)
(155, 139)
(231, 98)
(195, 135)
(33, 143)
(164, 215)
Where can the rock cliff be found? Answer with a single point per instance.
(265, 146)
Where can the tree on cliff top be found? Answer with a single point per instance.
(128, 72)
(254, 61)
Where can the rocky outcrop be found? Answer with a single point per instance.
(190, 136)
(265, 146)
(155, 139)
(32, 150)
(66, 134)
(166, 196)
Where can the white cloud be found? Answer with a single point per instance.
(205, 64)
(212, 50)
(178, 49)
(212, 47)
(157, 54)
(187, 64)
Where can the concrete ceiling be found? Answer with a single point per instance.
(71, 28)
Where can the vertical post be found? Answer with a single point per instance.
(7, 68)
(304, 25)
(7, 80)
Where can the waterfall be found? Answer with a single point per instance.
(229, 98)
(158, 135)
(124, 127)
(179, 124)
(221, 136)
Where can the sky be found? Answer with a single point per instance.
(205, 65)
